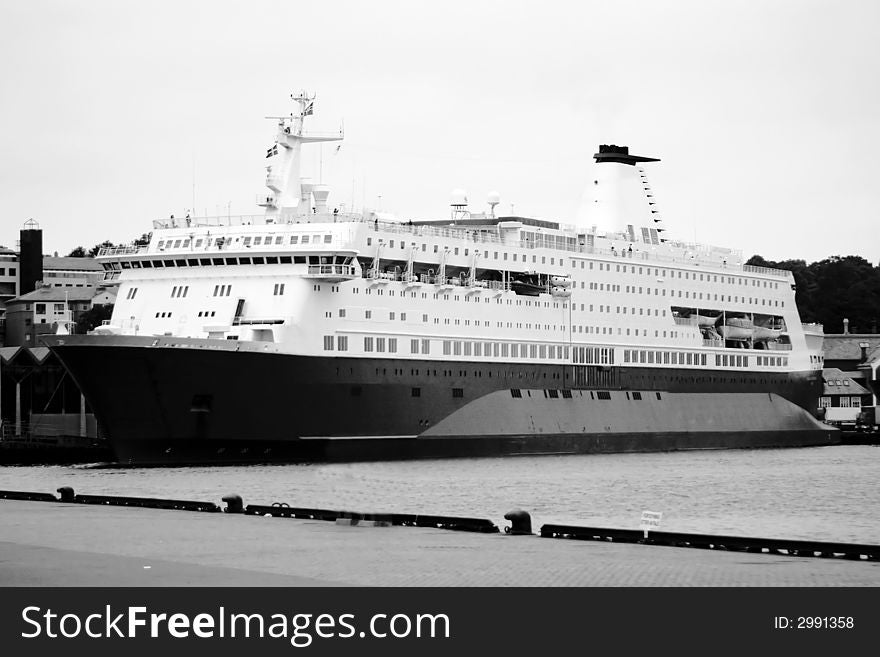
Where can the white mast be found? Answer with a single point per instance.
(283, 173)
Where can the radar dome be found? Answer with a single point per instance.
(458, 197)
(494, 198)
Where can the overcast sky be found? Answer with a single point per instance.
(765, 114)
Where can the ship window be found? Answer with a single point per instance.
(328, 239)
(247, 241)
(305, 239)
(177, 243)
(328, 343)
(258, 261)
(342, 343)
(392, 345)
(243, 261)
(368, 344)
(294, 239)
(457, 393)
(272, 261)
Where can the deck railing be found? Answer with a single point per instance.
(691, 254)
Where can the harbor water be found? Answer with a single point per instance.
(824, 493)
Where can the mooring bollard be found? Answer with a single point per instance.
(520, 523)
(233, 504)
(66, 494)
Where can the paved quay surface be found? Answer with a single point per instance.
(55, 544)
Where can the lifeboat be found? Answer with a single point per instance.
(763, 333)
(705, 320)
(527, 288)
(737, 328)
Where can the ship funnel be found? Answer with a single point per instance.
(617, 194)
(320, 193)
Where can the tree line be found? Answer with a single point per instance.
(834, 289)
(81, 252)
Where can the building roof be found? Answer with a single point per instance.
(845, 346)
(49, 293)
(52, 263)
(837, 382)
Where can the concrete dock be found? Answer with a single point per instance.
(58, 544)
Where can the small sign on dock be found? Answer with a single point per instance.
(651, 520)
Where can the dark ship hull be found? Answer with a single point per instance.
(183, 401)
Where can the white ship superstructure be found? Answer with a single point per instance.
(311, 280)
(618, 307)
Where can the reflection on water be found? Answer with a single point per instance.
(825, 493)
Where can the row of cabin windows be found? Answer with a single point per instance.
(207, 313)
(380, 344)
(632, 289)
(663, 357)
(602, 287)
(521, 257)
(468, 348)
(132, 292)
(258, 240)
(222, 290)
(656, 271)
(180, 291)
(767, 361)
(503, 349)
(698, 359)
(341, 343)
(209, 262)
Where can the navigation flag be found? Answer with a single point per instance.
(308, 110)
(272, 151)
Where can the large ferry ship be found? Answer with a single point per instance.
(310, 333)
